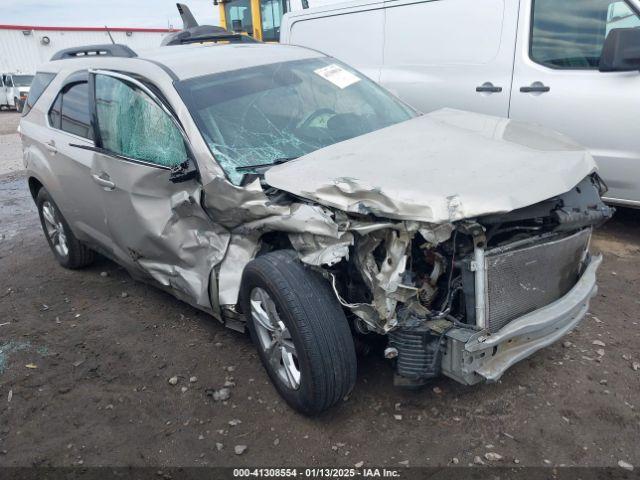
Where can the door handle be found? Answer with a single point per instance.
(104, 182)
(51, 146)
(535, 87)
(488, 87)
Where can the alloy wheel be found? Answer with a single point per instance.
(55, 229)
(275, 338)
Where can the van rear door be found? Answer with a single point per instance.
(557, 83)
(451, 53)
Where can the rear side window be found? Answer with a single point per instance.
(570, 34)
(39, 85)
(132, 125)
(70, 111)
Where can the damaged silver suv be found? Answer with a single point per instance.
(281, 191)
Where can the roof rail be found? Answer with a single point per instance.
(106, 50)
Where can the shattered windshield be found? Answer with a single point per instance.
(272, 113)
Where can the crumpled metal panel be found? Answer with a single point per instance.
(438, 168)
(322, 237)
(248, 213)
(242, 249)
(321, 250)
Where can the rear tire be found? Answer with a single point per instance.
(68, 250)
(19, 105)
(309, 333)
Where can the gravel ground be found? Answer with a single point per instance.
(10, 149)
(85, 359)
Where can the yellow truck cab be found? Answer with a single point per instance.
(259, 19)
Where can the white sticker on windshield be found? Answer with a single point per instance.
(337, 75)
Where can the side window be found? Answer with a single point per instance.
(131, 124)
(8, 81)
(271, 12)
(40, 83)
(238, 13)
(570, 34)
(74, 115)
(70, 111)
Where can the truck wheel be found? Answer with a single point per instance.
(18, 105)
(300, 331)
(67, 249)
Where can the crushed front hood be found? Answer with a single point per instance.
(441, 167)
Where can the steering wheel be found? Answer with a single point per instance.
(313, 115)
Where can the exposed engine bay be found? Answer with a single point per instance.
(416, 284)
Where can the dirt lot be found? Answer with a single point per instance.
(85, 358)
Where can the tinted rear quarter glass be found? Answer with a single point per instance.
(38, 86)
(75, 117)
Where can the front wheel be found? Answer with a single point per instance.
(300, 331)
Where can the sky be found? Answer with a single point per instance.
(113, 13)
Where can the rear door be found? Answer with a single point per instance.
(149, 216)
(450, 53)
(557, 84)
(68, 140)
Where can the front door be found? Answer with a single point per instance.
(157, 226)
(557, 84)
(9, 90)
(3, 93)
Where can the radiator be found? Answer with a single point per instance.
(523, 279)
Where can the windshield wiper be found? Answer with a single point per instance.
(277, 161)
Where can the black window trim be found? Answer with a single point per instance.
(574, 69)
(148, 88)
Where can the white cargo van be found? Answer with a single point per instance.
(571, 65)
(14, 88)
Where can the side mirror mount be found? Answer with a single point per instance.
(183, 171)
(621, 51)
